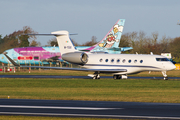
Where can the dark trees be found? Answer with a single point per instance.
(17, 39)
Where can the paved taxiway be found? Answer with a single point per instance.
(89, 109)
(84, 77)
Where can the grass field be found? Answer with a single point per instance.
(88, 89)
(132, 90)
(47, 118)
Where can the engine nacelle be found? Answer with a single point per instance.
(76, 57)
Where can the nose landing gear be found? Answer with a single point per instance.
(165, 75)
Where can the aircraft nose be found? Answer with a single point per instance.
(172, 67)
(2, 58)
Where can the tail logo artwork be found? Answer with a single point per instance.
(111, 38)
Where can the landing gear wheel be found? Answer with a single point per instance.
(116, 77)
(165, 75)
(96, 77)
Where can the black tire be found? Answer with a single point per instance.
(119, 76)
(115, 77)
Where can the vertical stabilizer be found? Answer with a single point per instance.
(112, 38)
(64, 42)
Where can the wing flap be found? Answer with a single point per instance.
(52, 34)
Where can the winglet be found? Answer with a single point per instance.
(14, 63)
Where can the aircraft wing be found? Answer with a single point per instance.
(65, 68)
(80, 69)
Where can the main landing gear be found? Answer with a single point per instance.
(115, 77)
(119, 77)
(95, 75)
(165, 75)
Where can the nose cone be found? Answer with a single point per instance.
(174, 67)
(171, 67)
(2, 58)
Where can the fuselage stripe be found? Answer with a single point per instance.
(121, 66)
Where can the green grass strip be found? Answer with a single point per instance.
(87, 89)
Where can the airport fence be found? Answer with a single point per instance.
(10, 68)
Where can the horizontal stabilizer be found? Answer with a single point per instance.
(120, 48)
(115, 49)
(52, 34)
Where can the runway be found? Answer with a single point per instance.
(97, 109)
(83, 77)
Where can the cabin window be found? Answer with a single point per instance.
(135, 61)
(118, 60)
(141, 61)
(162, 59)
(124, 61)
(106, 60)
(129, 61)
(100, 60)
(112, 60)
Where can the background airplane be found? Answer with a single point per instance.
(120, 65)
(44, 55)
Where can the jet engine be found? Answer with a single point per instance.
(76, 57)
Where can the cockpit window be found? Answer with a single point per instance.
(162, 59)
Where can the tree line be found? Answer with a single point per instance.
(18, 39)
(141, 43)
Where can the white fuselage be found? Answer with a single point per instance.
(133, 63)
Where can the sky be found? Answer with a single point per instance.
(90, 18)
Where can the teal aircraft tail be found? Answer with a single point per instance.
(111, 40)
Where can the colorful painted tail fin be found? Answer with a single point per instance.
(64, 42)
(112, 38)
